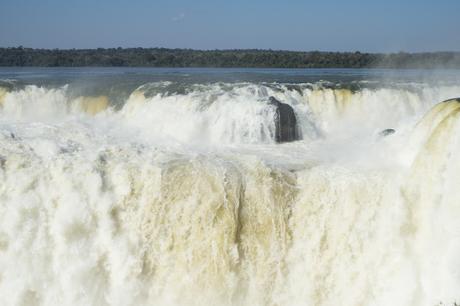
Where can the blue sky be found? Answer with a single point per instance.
(375, 26)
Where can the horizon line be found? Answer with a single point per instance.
(235, 49)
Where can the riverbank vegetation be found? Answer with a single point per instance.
(161, 57)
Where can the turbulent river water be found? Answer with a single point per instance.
(167, 187)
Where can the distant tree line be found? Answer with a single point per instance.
(161, 57)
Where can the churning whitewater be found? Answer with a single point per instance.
(174, 193)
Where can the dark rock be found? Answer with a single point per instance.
(294, 88)
(285, 122)
(451, 100)
(386, 132)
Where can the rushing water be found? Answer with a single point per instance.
(166, 187)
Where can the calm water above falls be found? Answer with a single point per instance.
(136, 186)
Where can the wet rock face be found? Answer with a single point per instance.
(387, 132)
(285, 122)
(452, 100)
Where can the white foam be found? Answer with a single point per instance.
(185, 199)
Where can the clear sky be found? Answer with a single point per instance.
(375, 26)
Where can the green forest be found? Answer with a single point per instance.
(161, 57)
